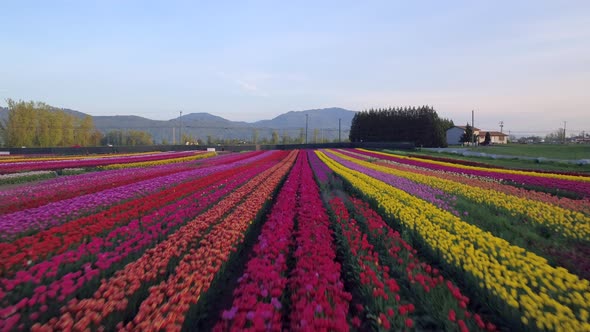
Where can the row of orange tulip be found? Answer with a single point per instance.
(168, 302)
(113, 294)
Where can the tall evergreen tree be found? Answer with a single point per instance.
(420, 125)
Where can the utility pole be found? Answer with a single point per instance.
(501, 126)
(339, 130)
(306, 122)
(180, 131)
(564, 123)
(473, 126)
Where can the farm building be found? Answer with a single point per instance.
(454, 134)
(496, 137)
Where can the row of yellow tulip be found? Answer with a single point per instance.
(160, 162)
(570, 223)
(495, 170)
(544, 296)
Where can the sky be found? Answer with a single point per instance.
(526, 63)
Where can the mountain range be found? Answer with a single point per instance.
(324, 123)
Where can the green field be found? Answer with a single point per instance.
(563, 152)
(555, 151)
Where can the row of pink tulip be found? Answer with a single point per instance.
(29, 293)
(257, 298)
(55, 213)
(114, 294)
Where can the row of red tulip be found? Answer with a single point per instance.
(378, 291)
(428, 285)
(256, 304)
(114, 293)
(58, 239)
(112, 249)
(318, 299)
(168, 302)
(38, 194)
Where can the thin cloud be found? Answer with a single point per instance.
(247, 86)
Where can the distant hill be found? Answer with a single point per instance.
(326, 118)
(201, 125)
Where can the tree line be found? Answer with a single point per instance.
(36, 124)
(420, 125)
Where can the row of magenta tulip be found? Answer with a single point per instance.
(531, 236)
(321, 171)
(539, 294)
(115, 295)
(168, 303)
(318, 300)
(31, 249)
(32, 220)
(114, 249)
(572, 224)
(575, 184)
(432, 195)
(257, 297)
(580, 204)
(113, 246)
(36, 247)
(41, 193)
(15, 167)
(484, 165)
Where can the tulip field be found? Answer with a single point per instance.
(302, 240)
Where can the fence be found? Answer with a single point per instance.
(232, 148)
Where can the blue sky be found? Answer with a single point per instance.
(526, 63)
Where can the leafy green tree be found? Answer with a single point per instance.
(468, 135)
(38, 124)
(275, 137)
(137, 137)
(255, 136)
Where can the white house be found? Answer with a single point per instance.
(496, 137)
(454, 134)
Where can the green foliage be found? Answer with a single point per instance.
(275, 137)
(468, 136)
(420, 125)
(36, 124)
(131, 138)
(255, 135)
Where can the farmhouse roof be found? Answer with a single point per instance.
(465, 127)
(482, 133)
